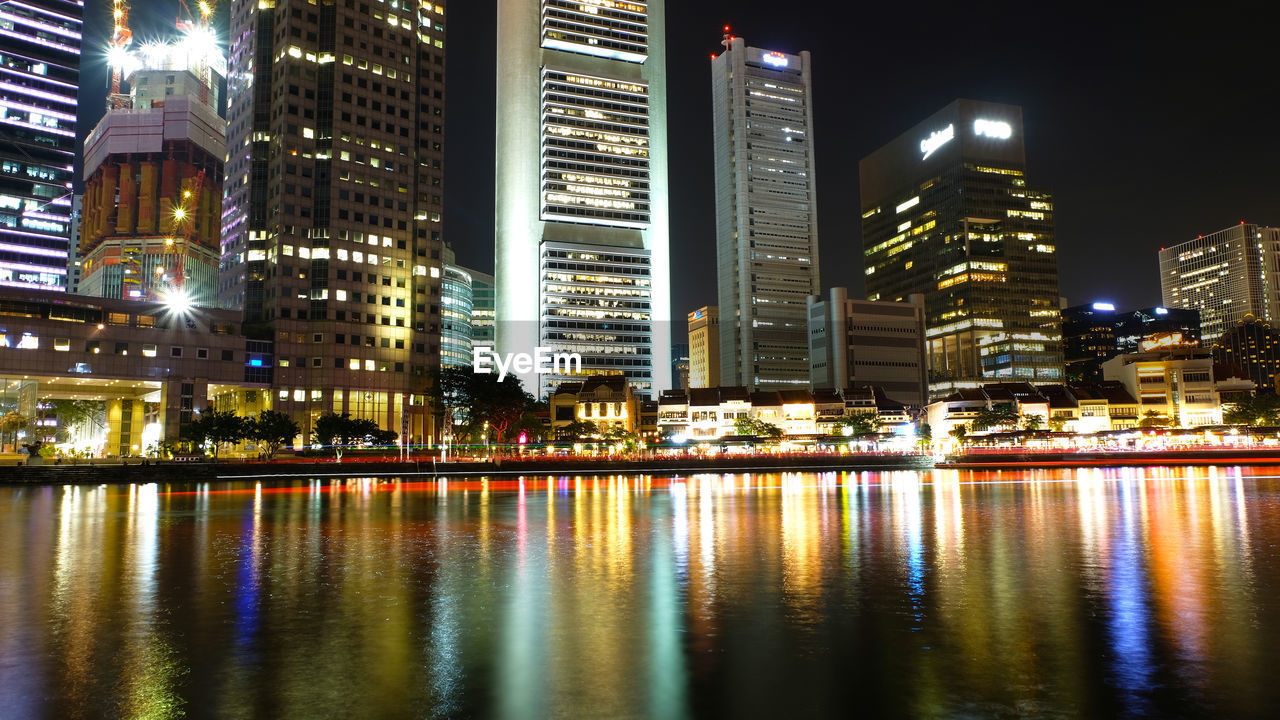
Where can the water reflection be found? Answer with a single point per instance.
(1079, 592)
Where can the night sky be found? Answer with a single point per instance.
(1148, 128)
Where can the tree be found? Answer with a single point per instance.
(757, 428)
(10, 424)
(579, 430)
(216, 429)
(478, 398)
(339, 432)
(1032, 423)
(72, 414)
(770, 431)
(860, 425)
(1260, 409)
(1153, 419)
(924, 436)
(271, 430)
(1057, 424)
(999, 417)
(959, 432)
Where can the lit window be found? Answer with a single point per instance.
(148, 351)
(62, 344)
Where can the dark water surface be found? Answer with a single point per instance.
(1065, 593)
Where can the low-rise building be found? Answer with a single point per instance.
(146, 366)
(864, 342)
(1175, 387)
(607, 401)
(707, 414)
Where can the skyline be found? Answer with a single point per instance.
(1189, 174)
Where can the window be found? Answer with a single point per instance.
(122, 348)
(62, 344)
(175, 351)
(202, 353)
(228, 356)
(148, 351)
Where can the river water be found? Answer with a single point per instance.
(1059, 593)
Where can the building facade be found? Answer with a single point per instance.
(1175, 387)
(1225, 275)
(582, 263)
(704, 347)
(1252, 346)
(766, 213)
(145, 367)
(482, 298)
(864, 342)
(331, 233)
(39, 84)
(1094, 333)
(948, 212)
(152, 215)
(456, 310)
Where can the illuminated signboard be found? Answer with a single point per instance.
(1164, 340)
(775, 59)
(995, 129)
(937, 139)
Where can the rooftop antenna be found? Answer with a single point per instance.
(727, 40)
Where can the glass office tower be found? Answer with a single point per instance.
(948, 212)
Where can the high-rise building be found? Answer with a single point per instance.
(331, 220)
(1094, 333)
(39, 82)
(766, 214)
(455, 314)
(863, 342)
(680, 366)
(153, 181)
(482, 297)
(582, 260)
(1225, 275)
(73, 249)
(704, 347)
(947, 212)
(1253, 347)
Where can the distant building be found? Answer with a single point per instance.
(766, 213)
(704, 347)
(481, 308)
(1225, 275)
(680, 366)
(863, 342)
(1253, 346)
(1075, 407)
(455, 314)
(947, 211)
(1094, 333)
(712, 414)
(73, 249)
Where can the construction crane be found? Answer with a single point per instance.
(118, 54)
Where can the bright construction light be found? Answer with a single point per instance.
(178, 301)
(179, 214)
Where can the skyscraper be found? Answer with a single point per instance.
(1225, 275)
(704, 347)
(947, 212)
(39, 82)
(581, 232)
(766, 214)
(456, 308)
(331, 222)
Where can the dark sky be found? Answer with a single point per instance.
(1149, 124)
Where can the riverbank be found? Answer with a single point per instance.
(1014, 460)
(503, 467)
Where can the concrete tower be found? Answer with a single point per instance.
(582, 260)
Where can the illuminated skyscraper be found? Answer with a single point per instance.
(766, 214)
(947, 212)
(1225, 275)
(153, 179)
(39, 82)
(581, 236)
(331, 222)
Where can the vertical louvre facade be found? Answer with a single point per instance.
(39, 82)
(581, 187)
(766, 214)
(331, 226)
(947, 212)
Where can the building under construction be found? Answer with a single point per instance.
(152, 211)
